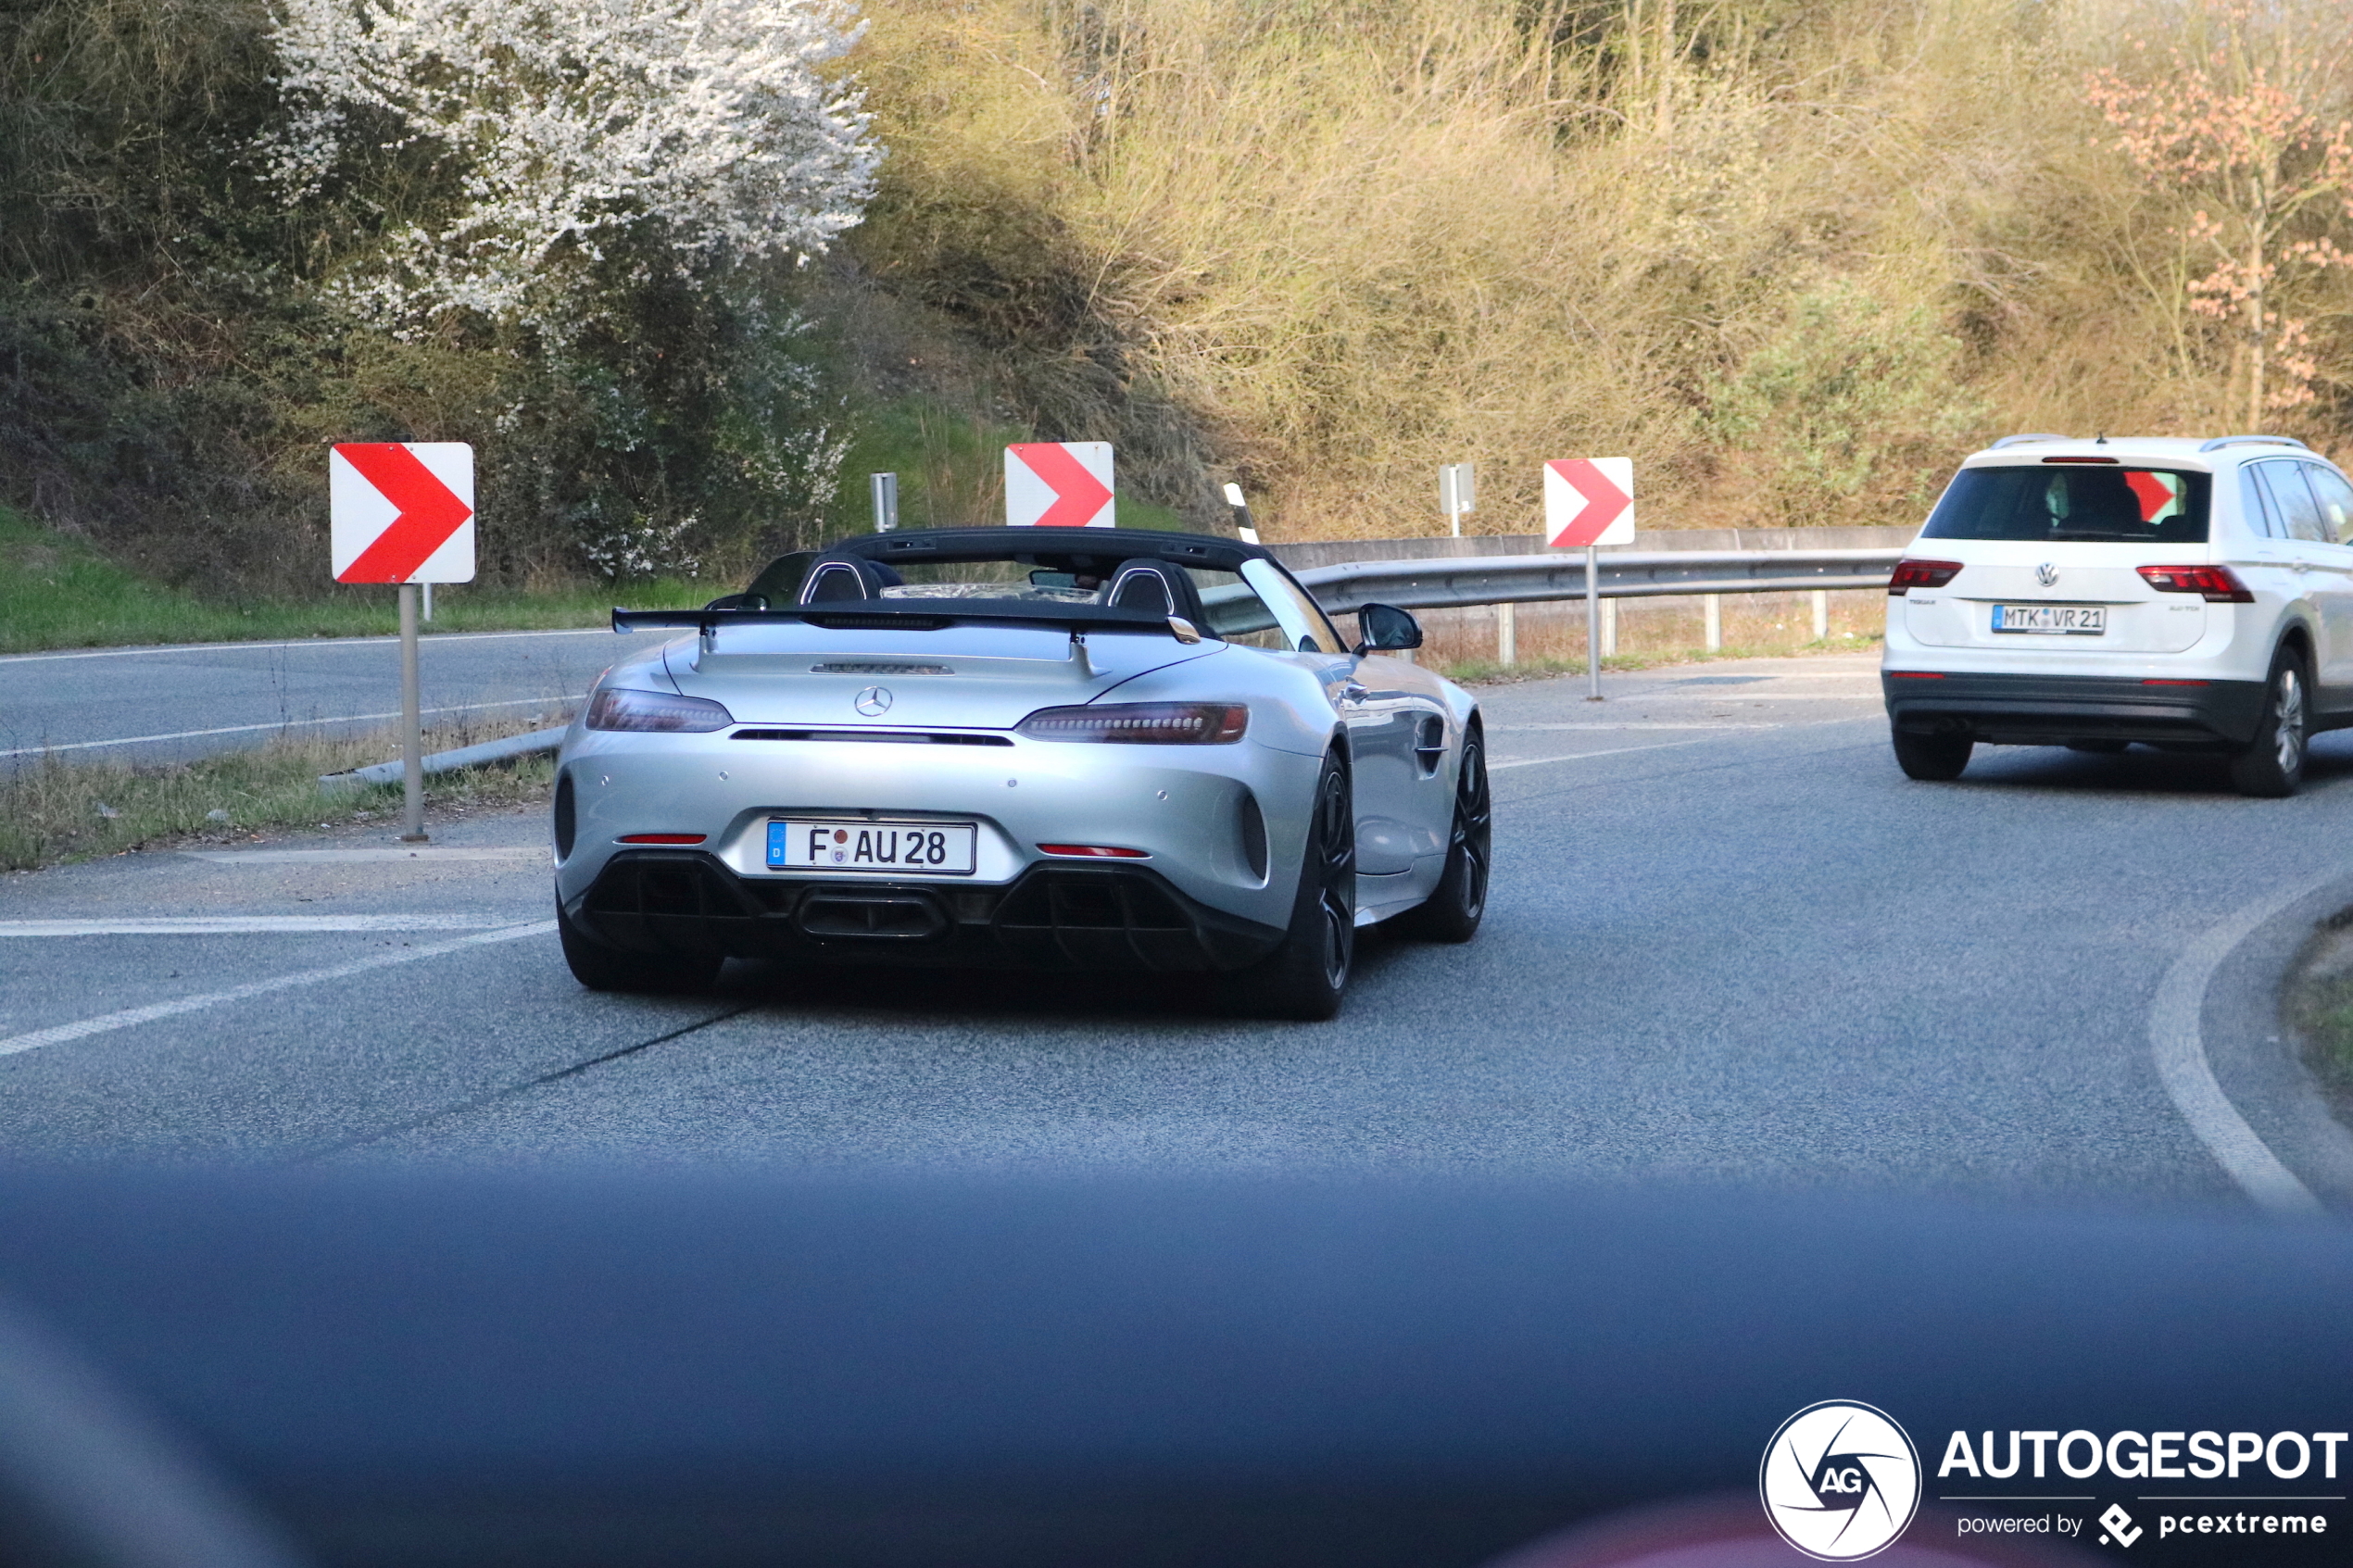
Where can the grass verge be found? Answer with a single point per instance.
(53, 810)
(1486, 672)
(56, 592)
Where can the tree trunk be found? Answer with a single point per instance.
(1667, 60)
(2254, 332)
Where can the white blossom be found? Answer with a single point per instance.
(704, 126)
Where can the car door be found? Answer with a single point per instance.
(2333, 499)
(2325, 576)
(1379, 711)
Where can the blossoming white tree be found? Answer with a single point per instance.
(573, 134)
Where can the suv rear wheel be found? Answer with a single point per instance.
(1932, 756)
(2272, 764)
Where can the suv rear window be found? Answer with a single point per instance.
(2071, 501)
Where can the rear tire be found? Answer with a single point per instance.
(1454, 908)
(600, 968)
(1305, 976)
(1932, 756)
(2272, 764)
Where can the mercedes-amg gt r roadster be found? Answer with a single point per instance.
(1063, 749)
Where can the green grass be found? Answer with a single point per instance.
(56, 592)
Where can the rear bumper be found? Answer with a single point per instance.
(2047, 710)
(1052, 916)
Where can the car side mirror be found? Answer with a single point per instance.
(738, 601)
(1387, 629)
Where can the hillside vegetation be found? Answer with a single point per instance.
(1793, 256)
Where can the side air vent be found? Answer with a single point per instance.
(567, 818)
(1253, 834)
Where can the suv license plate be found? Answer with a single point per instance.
(932, 848)
(2066, 621)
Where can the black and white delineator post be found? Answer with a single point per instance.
(1457, 493)
(885, 493)
(1245, 526)
(403, 511)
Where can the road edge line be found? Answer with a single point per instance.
(58, 1034)
(2177, 1043)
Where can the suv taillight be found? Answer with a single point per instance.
(2217, 583)
(1912, 574)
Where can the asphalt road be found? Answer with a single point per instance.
(172, 703)
(1728, 941)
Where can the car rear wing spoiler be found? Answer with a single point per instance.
(912, 615)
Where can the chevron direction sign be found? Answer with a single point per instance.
(401, 512)
(1059, 484)
(1589, 501)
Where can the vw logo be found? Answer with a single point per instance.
(1840, 1481)
(874, 701)
(2047, 574)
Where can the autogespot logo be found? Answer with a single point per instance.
(1840, 1481)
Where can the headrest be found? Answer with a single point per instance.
(833, 578)
(1156, 588)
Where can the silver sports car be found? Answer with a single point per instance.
(1081, 748)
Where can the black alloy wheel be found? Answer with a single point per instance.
(1455, 907)
(1303, 978)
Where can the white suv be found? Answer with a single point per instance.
(2196, 595)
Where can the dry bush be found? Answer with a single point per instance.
(1794, 271)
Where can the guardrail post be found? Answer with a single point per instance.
(1506, 636)
(1821, 613)
(1712, 611)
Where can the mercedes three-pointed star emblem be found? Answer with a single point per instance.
(874, 701)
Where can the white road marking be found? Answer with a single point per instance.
(285, 724)
(429, 637)
(2178, 1042)
(1581, 756)
(131, 1017)
(384, 852)
(247, 926)
(1509, 729)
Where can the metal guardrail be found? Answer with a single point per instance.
(1465, 581)
(504, 750)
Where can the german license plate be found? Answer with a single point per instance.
(932, 848)
(2065, 621)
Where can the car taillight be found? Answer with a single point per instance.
(617, 708)
(2219, 584)
(1910, 574)
(1142, 723)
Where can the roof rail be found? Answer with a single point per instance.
(2022, 440)
(2240, 440)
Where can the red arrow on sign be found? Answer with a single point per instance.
(1603, 501)
(430, 512)
(1079, 494)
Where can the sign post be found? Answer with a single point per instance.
(1590, 501)
(404, 512)
(1456, 495)
(1059, 484)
